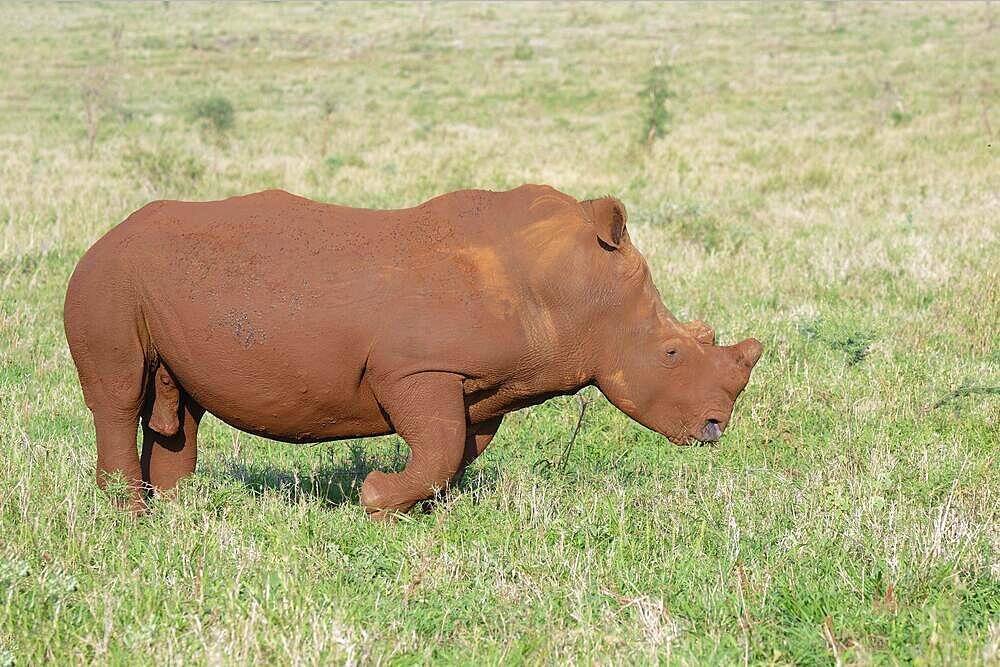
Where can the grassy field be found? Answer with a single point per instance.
(822, 177)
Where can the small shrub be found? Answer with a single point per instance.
(896, 109)
(215, 112)
(523, 51)
(817, 178)
(656, 93)
(335, 162)
(755, 157)
(855, 345)
(330, 106)
(153, 43)
(100, 91)
(900, 117)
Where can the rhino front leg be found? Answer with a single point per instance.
(428, 411)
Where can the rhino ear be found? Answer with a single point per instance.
(609, 217)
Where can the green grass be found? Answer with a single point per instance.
(827, 182)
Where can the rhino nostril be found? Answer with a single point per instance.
(712, 431)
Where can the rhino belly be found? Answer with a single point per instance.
(255, 365)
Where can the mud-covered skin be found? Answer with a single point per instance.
(305, 322)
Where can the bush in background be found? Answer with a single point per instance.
(215, 113)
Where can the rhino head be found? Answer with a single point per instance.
(669, 376)
(681, 386)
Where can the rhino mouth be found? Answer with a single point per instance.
(710, 431)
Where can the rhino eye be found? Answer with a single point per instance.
(671, 353)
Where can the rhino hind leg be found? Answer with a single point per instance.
(101, 329)
(116, 455)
